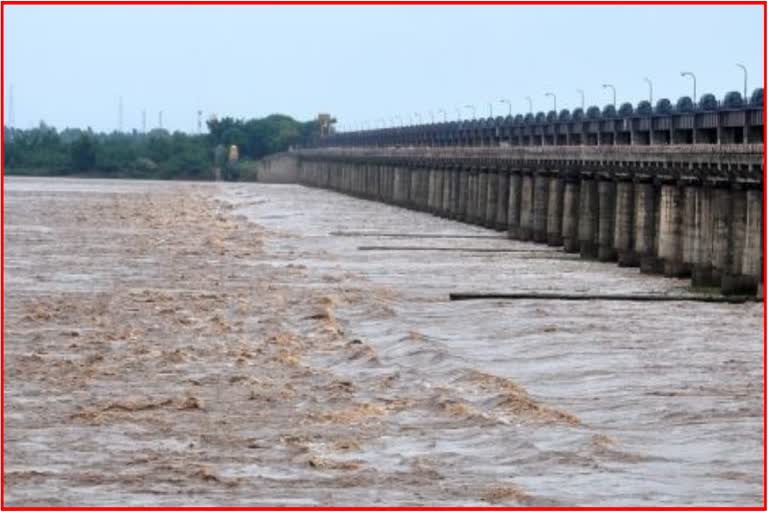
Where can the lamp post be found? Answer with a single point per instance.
(744, 68)
(474, 110)
(581, 92)
(432, 117)
(650, 89)
(554, 99)
(530, 104)
(509, 105)
(693, 77)
(607, 86)
(458, 114)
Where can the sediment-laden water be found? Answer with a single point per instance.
(230, 344)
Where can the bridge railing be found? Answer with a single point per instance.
(731, 121)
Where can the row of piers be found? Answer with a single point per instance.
(677, 221)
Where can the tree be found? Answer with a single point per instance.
(158, 154)
(83, 154)
(159, 146)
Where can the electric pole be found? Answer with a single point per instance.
(120, 115)
(11, 108)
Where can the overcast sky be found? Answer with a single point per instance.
(69, 65)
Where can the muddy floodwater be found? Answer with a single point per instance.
(231, 344)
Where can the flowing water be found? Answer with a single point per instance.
(231, 344)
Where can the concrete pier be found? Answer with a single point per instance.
(431, 190)
(526, 208)
(445, 203)
(645, 226)
(437, 207)
(588, 218)
(752, 258)
(689, 228)
(670, 250)
(482, 197)
(455, 192)
(734, 280)
(502, 204)
(471, 196)
(540, 206)
(606, 192)
(418, 188)
(571, 196)
(492, 198)
(555, 211)
(721, 232)
(513, 210)
(463, 194)
(702, 274)
(624, 227)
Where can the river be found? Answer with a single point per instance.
(247, 344)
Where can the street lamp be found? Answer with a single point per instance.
(509, 105)
(606, 86)
(530, 104)
(432, 117)
(650, 89)
(581, 91)
(688, 73)
(554, 99)
(445, 114)
(744, 68)
(458, 114)
(474, 110)
(490, 110)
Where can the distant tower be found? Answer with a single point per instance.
(160, 119)
(199, 122)
(11, 108)
(143, 121)
(120, 115)
(325, 122)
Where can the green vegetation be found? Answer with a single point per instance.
(154, 155)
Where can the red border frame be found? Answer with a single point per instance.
(3, 3)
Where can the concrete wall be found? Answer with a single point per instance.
(278, 168)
